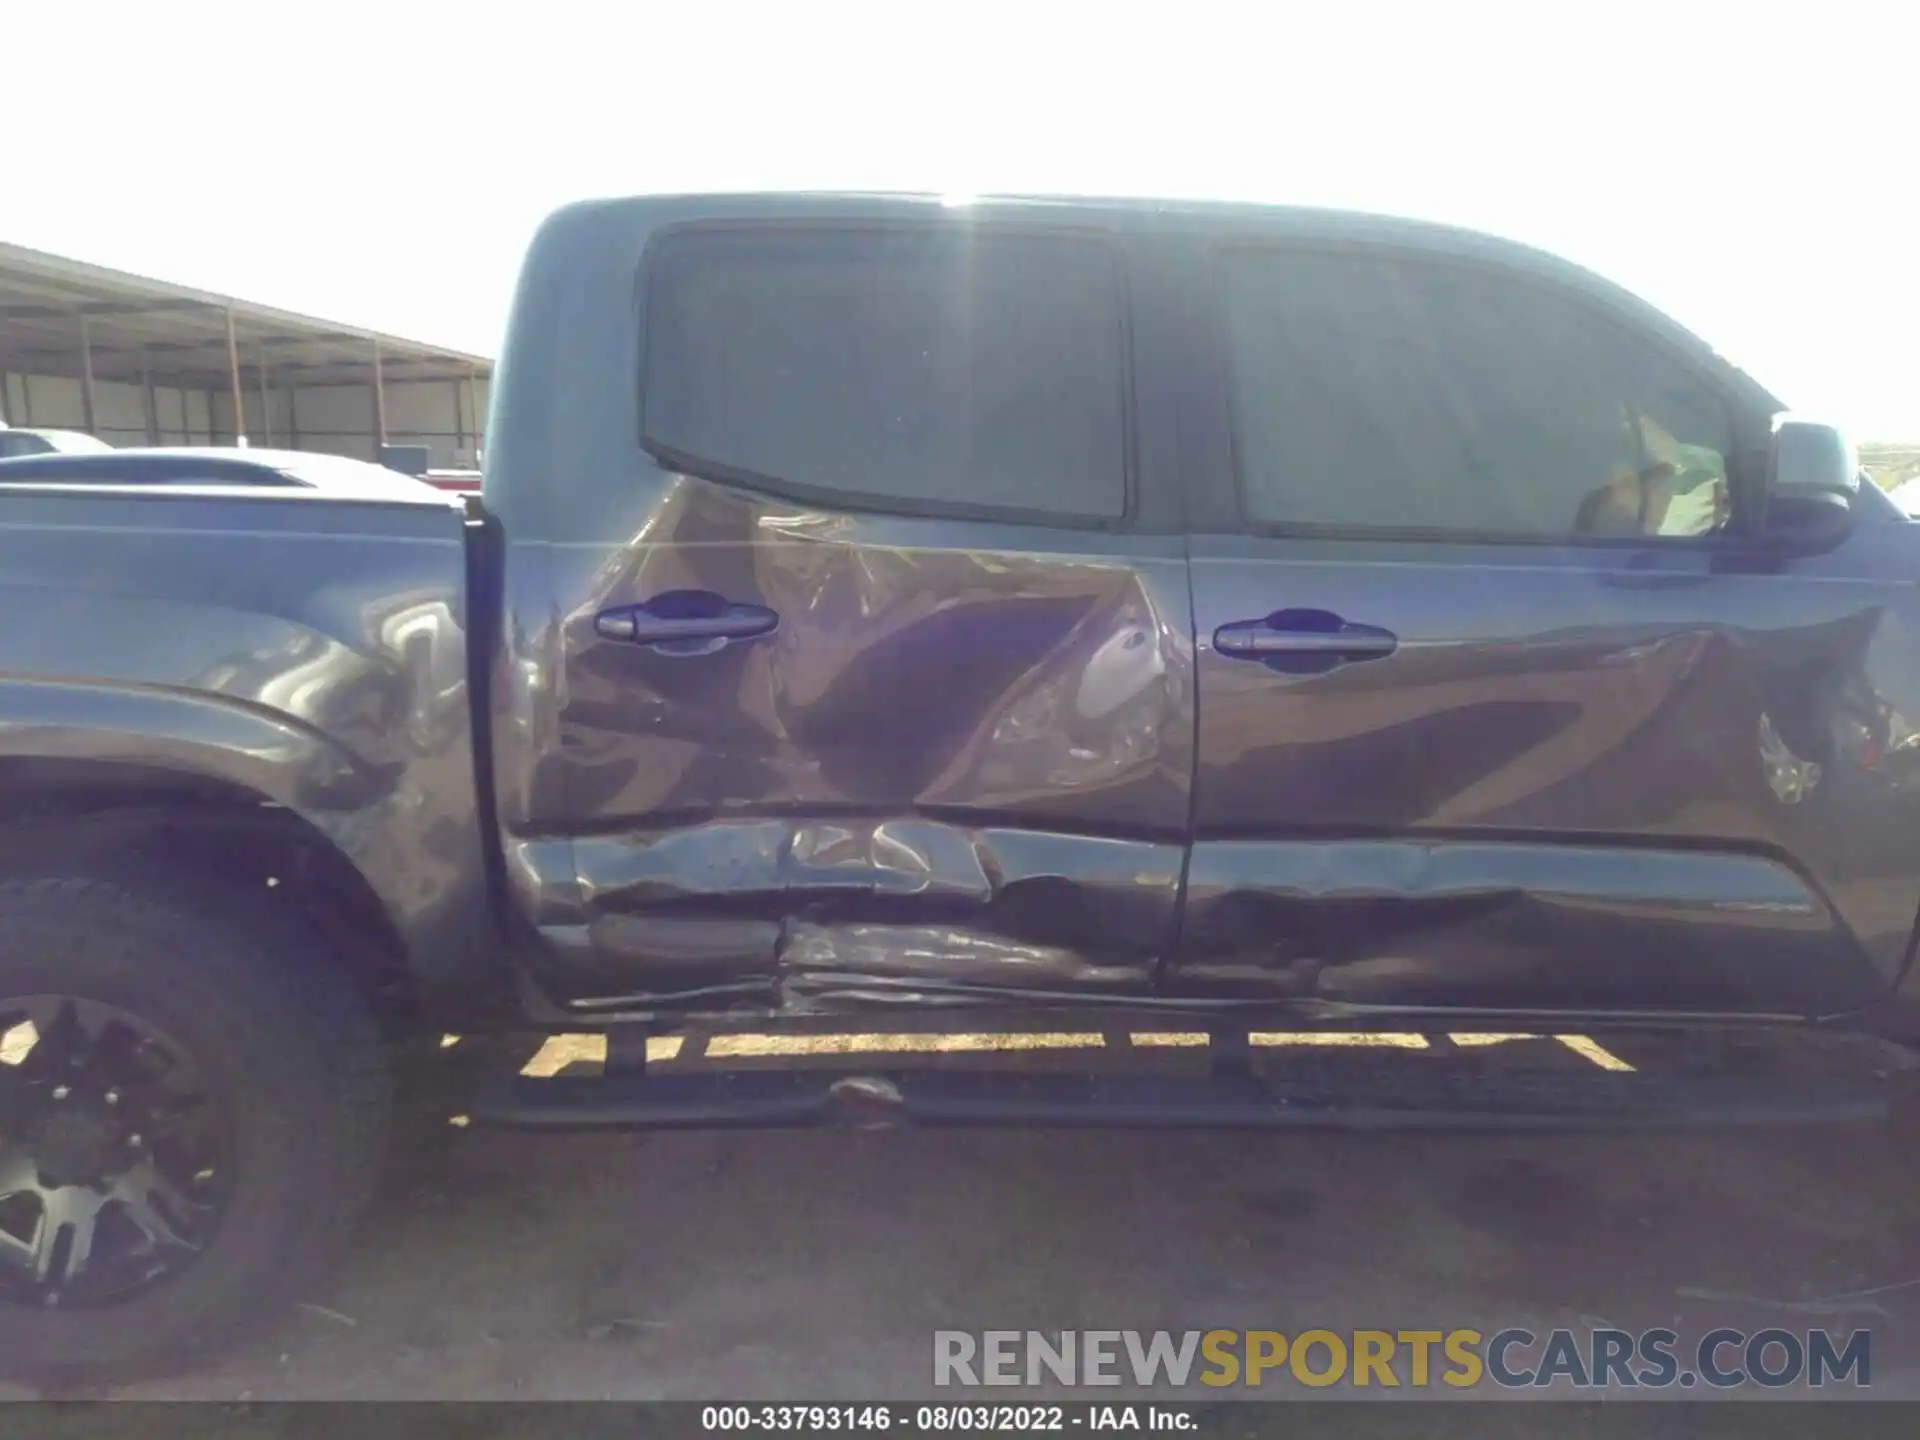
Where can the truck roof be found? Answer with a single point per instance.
(622, 220)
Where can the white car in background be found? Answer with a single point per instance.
(47, 442)
(211, 465)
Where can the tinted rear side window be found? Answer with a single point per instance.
(1388, 394)
(900, 369)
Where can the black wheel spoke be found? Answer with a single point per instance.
(63, 1244)
(101, 1119)
(115, 1054)
(16, 1103)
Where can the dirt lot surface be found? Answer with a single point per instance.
(817, 1264)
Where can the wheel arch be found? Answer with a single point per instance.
(385, 805)
(66, 812)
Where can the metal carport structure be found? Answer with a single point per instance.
(141, 361)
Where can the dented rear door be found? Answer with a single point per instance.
(880, 681)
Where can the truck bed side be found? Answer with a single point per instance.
(249, 659)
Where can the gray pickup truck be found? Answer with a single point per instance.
(1200, 618)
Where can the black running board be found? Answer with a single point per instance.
(1542, 1102)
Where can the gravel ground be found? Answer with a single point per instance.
(789, 1265)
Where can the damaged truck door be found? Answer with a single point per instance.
(1515, 693)
(877, 678)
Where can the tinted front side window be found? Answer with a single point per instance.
(899, 368)
(1388, 394)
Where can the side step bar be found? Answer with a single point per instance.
(1541, 1101)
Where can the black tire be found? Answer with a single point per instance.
(283, 1042)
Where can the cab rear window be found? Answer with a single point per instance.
(901, 370)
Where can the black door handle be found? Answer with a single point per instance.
(686, 622)
(1307, 641)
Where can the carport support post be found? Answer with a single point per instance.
(266, 400)
(379, 400)
(233, 379)
(88, 402)
(151, 401)
(479, 420)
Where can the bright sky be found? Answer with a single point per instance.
(1758, 176)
